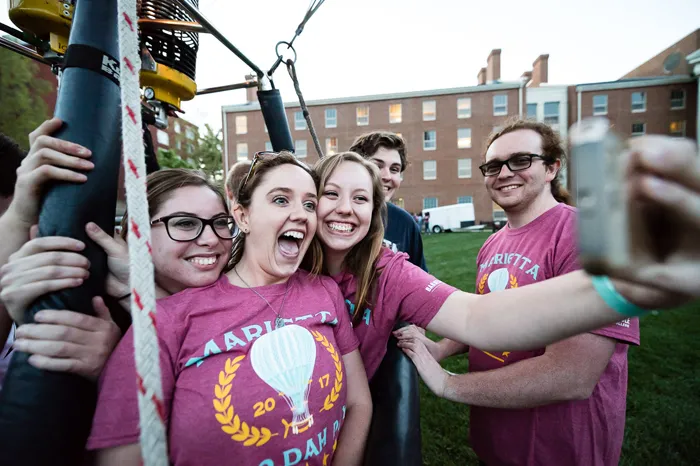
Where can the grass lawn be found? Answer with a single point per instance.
(663, 402)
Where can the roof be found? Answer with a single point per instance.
(635, 82)
(501, 86)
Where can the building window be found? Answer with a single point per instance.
(163, 138)
(178, 129)
(500, 105)
(429, 110)
(395, 113)
(268, 146)
(638, 129)
(465, 200)
(677, 128)
(178, 144)
(677, 99)
(532, 111)
(362, 115)
(430, 202)
(241, 124)
(600, 104)
(429, 170)
(331, 146)
(189, 133)
(639, 102)
(464, 168)
(464, 107)
(551, 113)
(299, 121)
(190, 148)
(242, 151)
(464, 138)
(331, 118)
(300, 148)
(429, 140)
(497, 128)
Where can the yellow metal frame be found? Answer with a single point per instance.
(47, 19)
(170, 86)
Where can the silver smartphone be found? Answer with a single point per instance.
(599, 161)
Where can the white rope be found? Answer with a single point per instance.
(143, 303)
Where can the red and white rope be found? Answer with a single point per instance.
(143, 301)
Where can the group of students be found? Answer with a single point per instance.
(268, 335)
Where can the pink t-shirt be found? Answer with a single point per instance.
(404, 292)
(587, 432)
(235, 390)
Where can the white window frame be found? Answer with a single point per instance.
(330, 148)
(464, 168)
(359, 119)
(163, 138)
(464, 142)
(464, 107)
(428, 172)
(393, 117)
(682, 99)
(241, 124)
(268, 146)
(427, 114)
(680, 133)
(241, 151)
(600, 109)
(644, 102)
(178, 128)
(551, 116)
(331, 122)
(644, 129)
(299, 121)
(500, 109)
(190, 134)
(426, 143)
(300, 148)
(431, 207)
(471, 199)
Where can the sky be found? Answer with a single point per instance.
(361, 47)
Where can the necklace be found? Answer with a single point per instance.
(279, 321)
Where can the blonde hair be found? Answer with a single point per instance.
(362, 258)
(244, 197)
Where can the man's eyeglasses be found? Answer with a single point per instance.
(516, 163)
(184, 228)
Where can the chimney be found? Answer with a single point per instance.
(481, 77)
(526, 76)
(493, 70)
(251, 94)
(540, 70)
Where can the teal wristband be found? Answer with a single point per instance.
(603, 285)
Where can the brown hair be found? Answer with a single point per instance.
(161, 184)
(245, 196)
(11, 156)
(362, 258)
(552, 150)
(235, 176)
(369, 143)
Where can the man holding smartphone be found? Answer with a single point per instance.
(563, 404)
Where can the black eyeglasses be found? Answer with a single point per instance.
(184, 228)
(516, 163)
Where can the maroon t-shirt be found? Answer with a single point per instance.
(587, 432)
(236, 390)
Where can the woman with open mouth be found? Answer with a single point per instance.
(383, 288)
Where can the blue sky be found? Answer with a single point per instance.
(358, 47)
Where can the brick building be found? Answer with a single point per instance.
(180, 136)
(446, 129)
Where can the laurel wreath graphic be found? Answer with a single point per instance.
(231, 423)
(482, 283)
(513, 281)
(338, 384)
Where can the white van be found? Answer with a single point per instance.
(450, 217)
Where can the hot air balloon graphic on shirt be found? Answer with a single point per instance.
(498, 280)
(284, 359)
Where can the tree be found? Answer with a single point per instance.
(169, 159)
(208, 156)
(22, 107)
